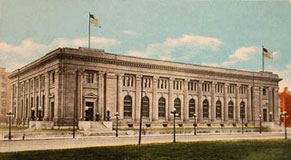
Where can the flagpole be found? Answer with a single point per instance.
(89, 32)
(263, 58)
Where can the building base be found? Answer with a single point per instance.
(41, 124)
(93, 126)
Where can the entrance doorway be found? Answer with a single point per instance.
(89, 111)
(265, 115)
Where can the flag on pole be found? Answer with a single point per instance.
(94, 20)
(267, 53)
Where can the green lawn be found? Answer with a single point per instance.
(236, 150)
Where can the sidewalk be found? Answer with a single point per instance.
(48, 143)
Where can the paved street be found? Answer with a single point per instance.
(47, 143)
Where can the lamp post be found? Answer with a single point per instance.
(195, 123)
(10, 115)
(107, 114)
(285, 115)
(175, 113)
(260, 118)
(116, 127)
(32, 114)
(39, 113)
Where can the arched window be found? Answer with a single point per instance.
(230, 110)
(191, 108)
(242, 109)
(162, 107)
(145, 107)
(205, 109)
(218, 109)
(177, 105)
(127, 104)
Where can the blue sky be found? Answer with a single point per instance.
(222, 33)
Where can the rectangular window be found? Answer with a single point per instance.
(89, 77)
(53, 77)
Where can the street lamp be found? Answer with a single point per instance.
(107, 114)
(175, 113)
(39, 113)
(32, 114)
(195, 123)
(116, 129)
(10, 115)
(260, 118)
(285, 115)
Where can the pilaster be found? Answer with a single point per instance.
(225, 107)
(170, 101)
(119, 95)
(248, 105)
(237, 106)
(155, 107)
(57, 96)
(100, 95)
(138, 97)
(82, 111)
(199, 106)
(46, 103)
(186, 102)
(213, 95)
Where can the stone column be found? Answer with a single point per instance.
(119, 95)
(276, 113)
(199, 106)
(33, 96)
(213, 95)
(137, 109)
(155, 106)
(170, 100)
(271, 106)
(24, 103)
(186, 102)
(255, 103)
(100, 95)
(57, 97)
(249, 105)
(225, 107)
(82, 96)
(46, 103)
(39, 95)
(29, 102)
(237, 107)
(17, 116)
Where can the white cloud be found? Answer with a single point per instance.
(194, 41)
(129, 32)
(191, 43)
(15, 56)
(284, 73)
(212, 64)
(241, 54)
(137, 54)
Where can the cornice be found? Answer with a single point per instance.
(107, 58)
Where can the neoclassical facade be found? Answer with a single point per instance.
(89, 82)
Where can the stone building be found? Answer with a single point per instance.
(93, 81)
(4, 94)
